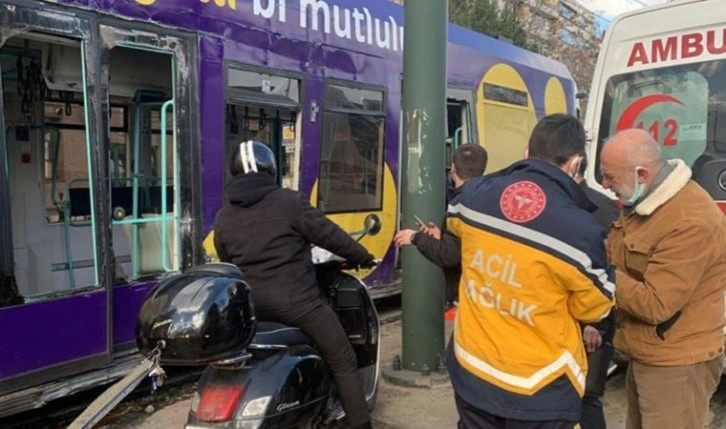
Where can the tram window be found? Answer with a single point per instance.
(457, 130)
(264, 107)
(503, 94)
(454, 119)
(250, 85)
(453, 131)
(351, 168)
(64, 141)
(120, 156)
(47, 139)
(51, 154)
(684, 113)
(275, 127)
(343, 97)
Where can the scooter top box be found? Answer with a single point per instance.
(203, 316)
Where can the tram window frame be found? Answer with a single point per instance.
(238, 94)
(505, 95)
(380, 116)
(455, 109)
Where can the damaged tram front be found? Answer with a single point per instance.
(96, 121)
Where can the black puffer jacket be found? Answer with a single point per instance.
(445, 252)
(267, 231)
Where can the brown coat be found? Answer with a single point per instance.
(670, 255)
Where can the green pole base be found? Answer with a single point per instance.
(406, 378)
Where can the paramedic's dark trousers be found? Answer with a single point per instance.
(592, 416)
(320, 322)
(473, 418)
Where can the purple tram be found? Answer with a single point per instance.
(118, 116)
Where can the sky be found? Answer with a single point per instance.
(606, 10)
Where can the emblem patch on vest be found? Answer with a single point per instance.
(522, 201)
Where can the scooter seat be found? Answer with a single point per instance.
(278, 334)
(219, 269)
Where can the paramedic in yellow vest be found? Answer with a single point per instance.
(534, 267)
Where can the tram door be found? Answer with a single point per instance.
(149, 148)
(263, 106)
(57, 304)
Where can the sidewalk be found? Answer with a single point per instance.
(411, 408)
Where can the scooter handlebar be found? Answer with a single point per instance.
(371, 263)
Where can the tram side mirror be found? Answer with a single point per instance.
(372, 224)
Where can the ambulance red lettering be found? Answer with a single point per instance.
(665, 51)
(638, 55)
(688, 45)
(691, 45)
(711, 43)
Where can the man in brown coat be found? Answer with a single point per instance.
(669, 250)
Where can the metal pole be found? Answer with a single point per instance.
(423, 184)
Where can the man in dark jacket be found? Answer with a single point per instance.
(434, 243)
(607, 211)
(267, 232)
(598, 337)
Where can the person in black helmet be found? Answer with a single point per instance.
(267, 231)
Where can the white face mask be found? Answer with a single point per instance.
(638, 190)
(575, 173)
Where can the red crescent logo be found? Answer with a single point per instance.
(627, 119)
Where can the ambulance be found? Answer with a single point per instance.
(663, 69)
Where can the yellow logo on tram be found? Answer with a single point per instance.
(232, 4)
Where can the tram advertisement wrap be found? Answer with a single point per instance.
(351, 24)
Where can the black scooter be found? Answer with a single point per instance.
(260, 374)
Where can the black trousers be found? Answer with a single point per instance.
(592, 416)
(450, 294)
(320, 322)
(452, 277)
(473, 418)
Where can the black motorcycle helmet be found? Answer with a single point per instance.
(252, 157)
